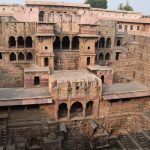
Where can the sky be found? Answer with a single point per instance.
(138, 5)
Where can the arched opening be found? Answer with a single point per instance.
(1, 57)
(46, 62)
(29, 42)
(107, 56)
(102, 78)
(29, 56)
(36, 80)
(62, 112)
(88, 61)
(56, 44)
(89, 108)
(108, 43)
(20, 56)
(65, 42)
(75, 43)
(41, 15)
(117, 56)
(12, 41)
(118, 43)
(12, 57)
(97, 45)
(20, 41)
(76, 109)
(102, 42)
(101, 56)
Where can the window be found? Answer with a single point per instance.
(102, 78)
(131, 27)
(36, 80)
(88, 47)
(46, 62)
(41, 16)
(88, 61)
(120, 26)
(46, 47)
(12, 57)
(138, 27)
(117, 56)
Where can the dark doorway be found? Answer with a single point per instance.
(108, 43)
(20, 41)
(56, 44)
(65, 42)
(12, 57)
(29, 56)
(101, 56)
(62, 112)
(88, 61)
(29, 42)
(102, 78)
(107, 56)
(102, 42)
(117, 56)
(41, 16)
(118, 43)
(46, 62)
(89, 108)
(75, 43)
(1, 56)
(36, 80)
(20, 56)
(12, 41)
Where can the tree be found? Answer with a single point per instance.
(126, 7)
(97, 3)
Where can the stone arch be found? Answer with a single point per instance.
(107, 56)
(56, 44)
(63, 110)
(65, 42)
(41, 15)
(1, 56)
(108, 43)
(29, 56)
(88, 61)
(76, 109)
(20, 41)
(89, 108)
(101, 56)
(21, 56)
(102, 42)
(29, 42)
(12, 41)
(75, 42)
(12, 57)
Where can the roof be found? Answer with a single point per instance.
(35, 68)
(46, 3)
(98, 67)
(73, 76)
(22, 93)
(125, 90)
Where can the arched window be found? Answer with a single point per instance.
(41, 15)
(29, 56)
(88, 61)
(21, 56)
(107, 56)
(12, 57)
(108, 43)
(75, 43)
(29, 41)
(36, 80)
(46, 62)
(97, 45)
(103, 79)
(102, 42)
(65, 42)
(12, 41)
(101, 56)
(62, 112)
(118, 43)
(1, 57)
(76, 109)
(89, 108)
(56, 44)
(20, 41)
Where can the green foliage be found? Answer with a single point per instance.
(97, 3)
(126, 7)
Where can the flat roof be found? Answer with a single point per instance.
(73, 76)
(125, 90)
(48, 3)
(98, 67)
(23, 93)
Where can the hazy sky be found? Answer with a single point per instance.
(138, 5)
